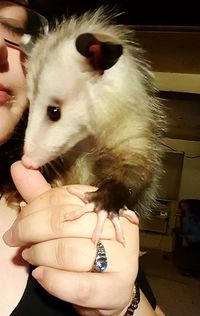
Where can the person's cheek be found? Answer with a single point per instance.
(23, 59)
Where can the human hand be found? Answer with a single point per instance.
(64, 252)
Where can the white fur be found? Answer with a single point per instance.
(114, 107)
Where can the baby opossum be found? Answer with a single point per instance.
(93, 102)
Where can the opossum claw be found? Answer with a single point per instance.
(102, 215)
(101, 218)
(88, 208)
(78, 193)
(118, 228)
(131, 215)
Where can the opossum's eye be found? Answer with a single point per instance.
(53, 112)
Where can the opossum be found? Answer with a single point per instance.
(93, 102)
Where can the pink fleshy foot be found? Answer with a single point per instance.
(102, 215)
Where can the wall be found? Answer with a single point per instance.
(189, 188)
(190, 180)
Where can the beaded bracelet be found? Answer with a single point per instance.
(135, 301)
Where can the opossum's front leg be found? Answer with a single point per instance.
(110, 200)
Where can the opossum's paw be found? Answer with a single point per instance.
(110, 200)
(87, 208)
(131, 215)
(115, 219)
(102, 215)
(111, 196)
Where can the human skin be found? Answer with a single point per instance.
(63, 250)
(64, 253)
(13, 98)
(13, 101)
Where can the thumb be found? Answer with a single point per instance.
(30, 183)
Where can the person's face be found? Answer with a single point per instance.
(12, 78)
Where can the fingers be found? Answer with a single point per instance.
(29, 183)
(90, 290)
(57, 197)
(51, 199)
(37, 226)
(64, 253)
(50, 223)
(77, 256)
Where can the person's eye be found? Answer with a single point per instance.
(12, 29)
(11, 26)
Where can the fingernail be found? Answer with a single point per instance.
(38, 273)
(25, 254)
(8, 236)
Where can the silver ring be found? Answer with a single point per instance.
(100, 262)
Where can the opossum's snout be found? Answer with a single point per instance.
(28, 163)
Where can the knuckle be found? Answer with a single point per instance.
(65, 254)
(57, 219)
(57, 207)
(19, 232)
(56, 195)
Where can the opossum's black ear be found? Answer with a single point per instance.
(103, 55)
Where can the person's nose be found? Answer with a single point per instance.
(3, 52)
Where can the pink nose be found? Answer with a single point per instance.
(28, 163)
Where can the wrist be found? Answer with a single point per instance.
(133, 304)
(123, 312)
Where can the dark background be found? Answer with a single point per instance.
(163, 12)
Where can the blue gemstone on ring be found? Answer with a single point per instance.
(101, 265)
